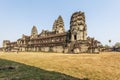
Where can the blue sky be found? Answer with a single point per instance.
(18, 16)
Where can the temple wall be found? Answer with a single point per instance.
(45, 49)
(58, 49)
(76, 50)
(84, 49)
(66, 50)
(23, 49)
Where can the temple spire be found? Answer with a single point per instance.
(78, 26)
(58, 25)
(34, 32)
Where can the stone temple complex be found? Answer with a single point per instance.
(75, 40)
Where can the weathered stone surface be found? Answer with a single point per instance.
(58, 49)
(78, 27)
(58, 25)
(84, 48)
(34, 32)
(96, 50)
(66, 50)
(76, 50)
(45, 49)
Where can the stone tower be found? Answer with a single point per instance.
(58, 25)
(54, 26)
(78, 27)
(34, 32)
(5, 42)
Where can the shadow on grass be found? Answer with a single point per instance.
(25, 72)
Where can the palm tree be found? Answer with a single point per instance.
(109, 42)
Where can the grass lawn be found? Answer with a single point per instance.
(59, 66)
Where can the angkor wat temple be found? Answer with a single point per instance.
(75, 40)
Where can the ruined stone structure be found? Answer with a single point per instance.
(74, 40)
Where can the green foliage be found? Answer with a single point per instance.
(117, 44)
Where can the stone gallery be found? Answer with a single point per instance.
(75, 40)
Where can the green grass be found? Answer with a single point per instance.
(25, 72)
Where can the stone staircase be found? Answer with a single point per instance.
(70, 50)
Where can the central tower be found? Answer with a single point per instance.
(78, 27)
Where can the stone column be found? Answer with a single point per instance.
(72, 37)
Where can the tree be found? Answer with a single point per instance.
(109, 42)
(117, 44)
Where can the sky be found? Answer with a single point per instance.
(17, 17)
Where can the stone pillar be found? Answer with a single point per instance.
(80, 35)
(72, 37)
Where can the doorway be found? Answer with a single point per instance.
(75, 37)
